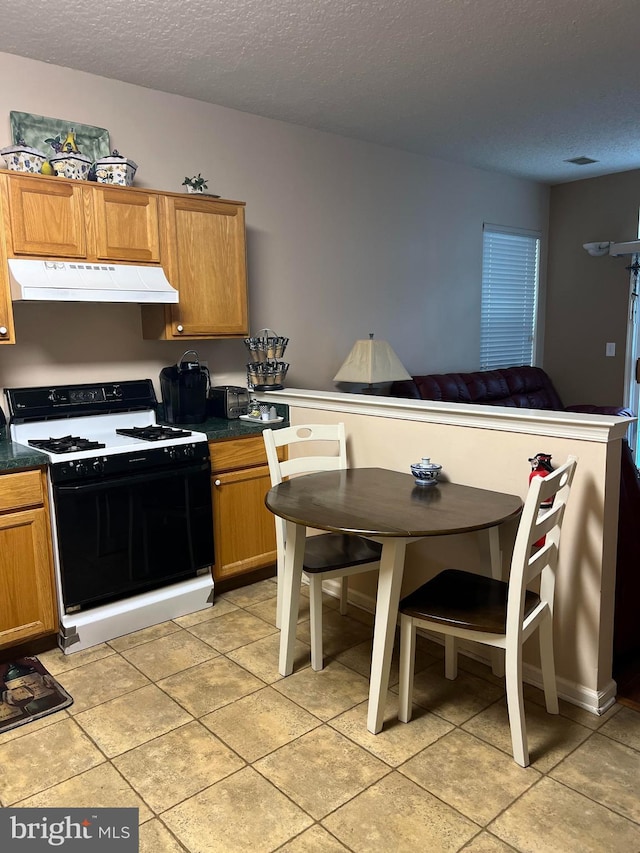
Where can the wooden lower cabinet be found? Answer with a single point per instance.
(244, 529)
(27, 592)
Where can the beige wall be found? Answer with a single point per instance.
(497, 458)
(587, 298)
(344, 238)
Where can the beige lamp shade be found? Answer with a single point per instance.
(370, 362)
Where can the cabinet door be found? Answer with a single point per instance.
(7, 334)
(127, 226)
(206, 262)
(47, 217)
(244, 529)
(27, 604)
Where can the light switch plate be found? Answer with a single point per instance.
(610, 349)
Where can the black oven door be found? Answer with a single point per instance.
(125, 535)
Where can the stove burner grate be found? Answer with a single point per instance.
(153, 433)
(65, 444)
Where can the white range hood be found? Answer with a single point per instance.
(76, 281)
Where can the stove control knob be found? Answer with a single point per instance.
(188, 450)
(173, 453)
(98, 466)
(81, 468)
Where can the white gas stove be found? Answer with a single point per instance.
(131, 507)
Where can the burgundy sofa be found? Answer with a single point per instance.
(521, 387)
(531, 388)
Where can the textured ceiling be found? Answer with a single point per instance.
(517, 87)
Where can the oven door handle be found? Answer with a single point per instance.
(133, 479)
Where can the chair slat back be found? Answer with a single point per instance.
(531, 559)
(297, 435)
(335, 459)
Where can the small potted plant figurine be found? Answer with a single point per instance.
(197, 184)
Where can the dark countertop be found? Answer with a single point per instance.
(14, 457)
(220, 429)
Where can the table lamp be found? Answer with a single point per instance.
(371, 362)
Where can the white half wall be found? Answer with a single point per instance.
(489, 447)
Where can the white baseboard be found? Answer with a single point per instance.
(594, 701)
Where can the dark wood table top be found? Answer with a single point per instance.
(379, 502)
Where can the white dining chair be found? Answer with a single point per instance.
(501, 614)
(327, 555)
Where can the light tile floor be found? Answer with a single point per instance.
(190, 723)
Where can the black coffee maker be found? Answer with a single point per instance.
(184, 388)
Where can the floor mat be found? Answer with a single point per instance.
(28, 692)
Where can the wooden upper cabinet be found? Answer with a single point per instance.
(204, 257)
(199, 241)
(47, 218)
(51, 217)
(127, 227)
(7, 333)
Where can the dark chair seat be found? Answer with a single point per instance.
(330, 551)
(464, 600)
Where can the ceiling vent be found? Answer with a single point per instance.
(581, 161)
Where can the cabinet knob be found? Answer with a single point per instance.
(179, 328)
(3, 331)
(217, 482)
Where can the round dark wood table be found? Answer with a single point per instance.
(388, 507)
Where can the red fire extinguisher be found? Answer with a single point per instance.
(541, 467)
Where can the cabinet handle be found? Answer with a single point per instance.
(180, 328)
(217, 482)
(3, 330)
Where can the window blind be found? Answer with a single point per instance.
(510, 269)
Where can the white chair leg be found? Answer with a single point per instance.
(407, 667)
(548, 667)
(344, 596)
(279, 587)
(491, 541)
(515, 706)
(450, 657)
(280, 545)
(315, 610)
(292, 577)
(497, 662)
